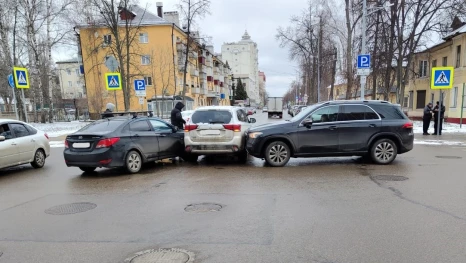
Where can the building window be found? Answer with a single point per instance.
(148, 81)
(421, 99)
(70, 84)
(432, 97)
(107, 40)
(145, 60)
(68, 71)
(78, 83)
(458, 56)
(444, 61)
(77, 71)
(434, 63)
(422, 68)
(411, 99)
(454, 97)
(143, 38)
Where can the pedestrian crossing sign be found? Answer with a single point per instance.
(21, 78)
(113, 81)
(442, 78)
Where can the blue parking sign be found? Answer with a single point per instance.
(364, 61)
(140, 87)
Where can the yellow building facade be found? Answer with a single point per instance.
(156, 54)
(450, 53)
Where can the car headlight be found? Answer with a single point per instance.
(254, 135)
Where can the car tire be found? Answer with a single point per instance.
(39, 159)
(277, 154)
(88, 169)
(383, 151)
(133, 162)
(243, 156)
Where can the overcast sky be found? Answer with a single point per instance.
(230, 18)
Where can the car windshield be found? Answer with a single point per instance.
(186, 113)
(211, 116)
(102, 126)
(304, 112)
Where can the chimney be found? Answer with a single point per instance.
(159, 9)
(172, 17)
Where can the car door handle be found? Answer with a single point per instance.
(136, 135)
(372, 125)
(161, 135)
(332, 128)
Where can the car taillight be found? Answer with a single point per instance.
(190, 127)
(232, 127)
(408, 125)
(46, 136)
(106, 143)
(66, 144)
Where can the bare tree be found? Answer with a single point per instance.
(124, 26)
(163, 72)
(191, 10)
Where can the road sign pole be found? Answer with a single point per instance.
(116, 101)
(11, 81)
(462, 109)
(363, 44)
(24, 105)
(439, 112)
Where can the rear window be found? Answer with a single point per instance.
(211, 116)
(102, 126)
(389, 112)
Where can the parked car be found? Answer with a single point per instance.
(123, 142)
(217, 130)
(186, 115)
(265, 109)
(377, 130)
(297, 109)
(21, 143)
(291, 109)
(250, 111)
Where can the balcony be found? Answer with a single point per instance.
(216, 70)
(208, 63)
(216, 81)
(204, 70)
(210, 78)
(196, 90)
(180, 47)
(194, 72)
(216, 76)
(203, 77)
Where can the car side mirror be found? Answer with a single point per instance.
(2, 138)
(307, 123)
(252, 120)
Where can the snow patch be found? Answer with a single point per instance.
(57, 144)
(58, 129)
(439, 142)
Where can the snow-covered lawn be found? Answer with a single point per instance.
(439, 142)
(58, 129)
(447, 127)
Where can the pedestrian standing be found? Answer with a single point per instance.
(436, 120)
(426, 118)
(175, 117)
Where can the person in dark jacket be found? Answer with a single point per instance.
(442, 113)
(426, 118)
(176, 118)
(108, 113)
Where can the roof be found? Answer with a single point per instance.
(459, 31)
(143, 17)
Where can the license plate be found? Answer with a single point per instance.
(81, 145)
(210, 132)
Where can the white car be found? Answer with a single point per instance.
(21, 143)
(217, 130)
(186, 115)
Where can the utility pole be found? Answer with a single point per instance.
(319, 41)
(363, 44)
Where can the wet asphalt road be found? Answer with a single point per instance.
(336, 210)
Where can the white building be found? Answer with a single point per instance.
(243, 58)
(71, 79)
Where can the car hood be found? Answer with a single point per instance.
(273, 125)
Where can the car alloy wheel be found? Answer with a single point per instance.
(277, 154)
(39, 159)
(133, 162)
(384, 151)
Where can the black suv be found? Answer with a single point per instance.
(375, 129)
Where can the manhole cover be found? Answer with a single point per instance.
(68, 209)
(203, 207)
(449, 157)
(163, 255)
(389, 178)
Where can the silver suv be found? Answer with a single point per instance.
(216, 130)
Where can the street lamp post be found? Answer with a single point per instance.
(363, 44)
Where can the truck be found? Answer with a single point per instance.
(275, 107)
